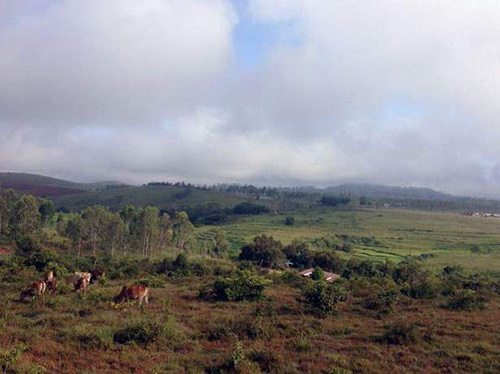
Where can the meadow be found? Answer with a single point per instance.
(415, 318)
(450, 238)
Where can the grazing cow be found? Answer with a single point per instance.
(35, 289)
(81, 285)
(133, 292)
(96, 275)
(49, 276)
(51, 285)
(78, 274)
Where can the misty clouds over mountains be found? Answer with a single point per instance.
(394, 92)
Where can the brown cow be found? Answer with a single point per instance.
(81, 285)
(51, 285)
(35, 289)
(96, 274)
(132, 292)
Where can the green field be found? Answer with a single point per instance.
(401, 233)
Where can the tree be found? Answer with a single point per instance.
(25, 217)
(148, 225)
(322, 298)
(4, 216)
(264, 251)
(317, 274)
(182, 228)
(74, 231)
(221, 245)
(46, 210)
(115, 231)
(93, 222)
(298, 254)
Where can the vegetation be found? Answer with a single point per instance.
(230, 298)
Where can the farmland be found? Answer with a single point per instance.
(448, 237)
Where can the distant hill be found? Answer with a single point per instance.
(166, 197)
(376, 190)
(40, 185)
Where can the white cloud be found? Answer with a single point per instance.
(392, 91)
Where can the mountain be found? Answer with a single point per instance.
(41, 185)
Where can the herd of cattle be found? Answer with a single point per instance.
(80, 282)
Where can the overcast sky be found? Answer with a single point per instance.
(288, 92)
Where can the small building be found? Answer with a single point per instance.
(327, 276)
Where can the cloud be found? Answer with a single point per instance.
(112, 61)
(395, 91)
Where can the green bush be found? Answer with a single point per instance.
(141, 332)
(426, 289)
(467, 300)
(244, 285)
(264, 251)
(401, 333)
(322, 298)
(383, 302)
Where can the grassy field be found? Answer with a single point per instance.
(70, 333)
(180, 332)
(449, 237)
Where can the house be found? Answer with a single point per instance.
(327, 276)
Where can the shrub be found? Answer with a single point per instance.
(322, 298)
(264, 251)
(90, 338)
(244, 285)
(328, 261)
(250, 208)
(290, 221)
(141, 332)
(383, 302)
(9, 358)
(317, 274)
(298, 254)
(400, 333)
(467, 300)
(427, 289)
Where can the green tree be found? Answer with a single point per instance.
(221, 245)
(25, 218)
(115, 231)
(148, 225)
(264, 251)
(182, 229)
(93, 222)
(74, 231)
(46, 210)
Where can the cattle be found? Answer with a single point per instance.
(35, 289)
(76, 277)
(49, 276)
(96, 275)
(133, 292)
(51, 285)
(81, 285)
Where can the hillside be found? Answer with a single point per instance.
(164, 197)
(44, 186)
(376, 190)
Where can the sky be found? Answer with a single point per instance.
(270, 92)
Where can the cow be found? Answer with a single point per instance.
(49, 276)
(78, 275)
(81, 285)
(51, 285)
(35, 289)
(96, 274)
(133, 292)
